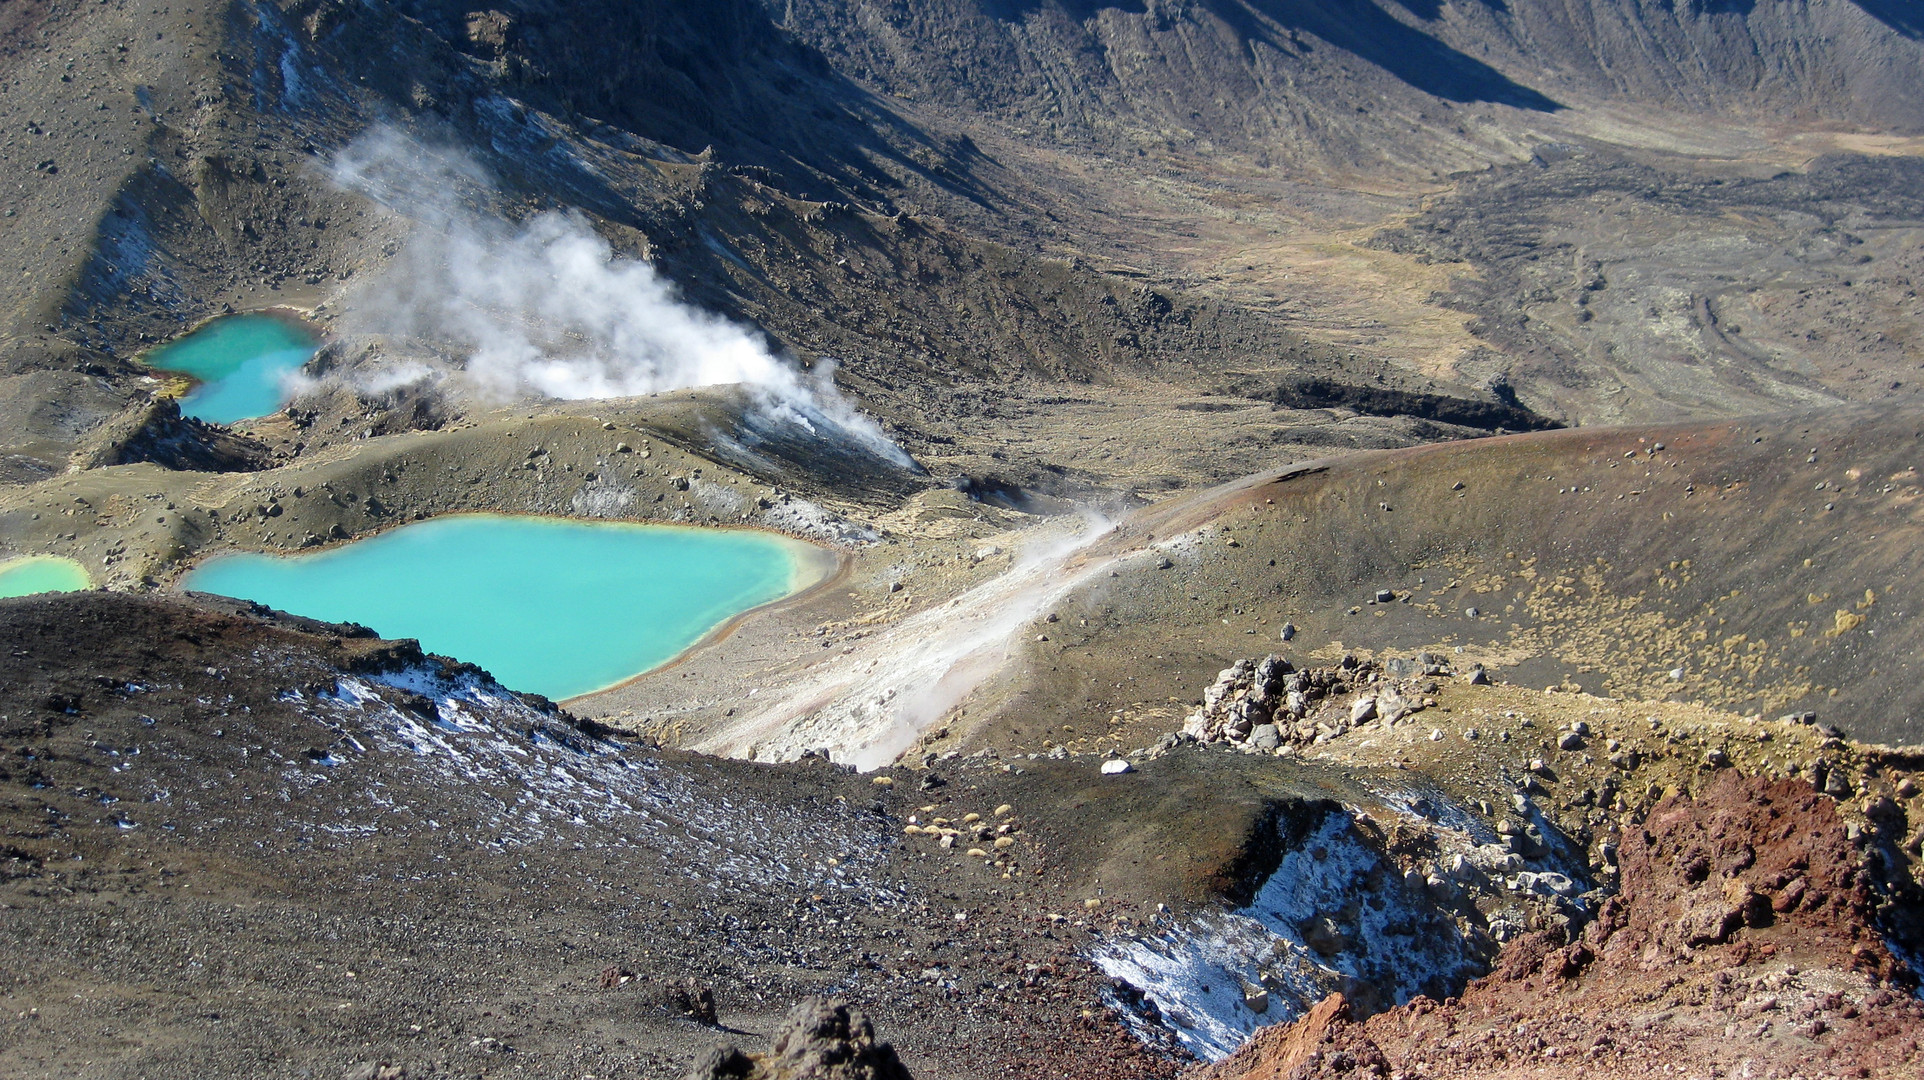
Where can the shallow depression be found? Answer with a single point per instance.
(548, 605)
(241, 362)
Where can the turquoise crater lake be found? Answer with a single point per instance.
(241, 362)
(41, 574)
(548, 605)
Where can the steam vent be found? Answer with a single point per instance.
(964, 540)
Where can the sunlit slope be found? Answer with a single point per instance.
(1764, 566)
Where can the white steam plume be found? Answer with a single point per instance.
(545, 307)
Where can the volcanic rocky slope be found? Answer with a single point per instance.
(1172, 262)
(355, 853)
(1737, 944)
(982, 212)
(360, 854)
(1763, 567)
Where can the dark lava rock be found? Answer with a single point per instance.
(820, 1040)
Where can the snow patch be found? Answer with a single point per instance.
(1337, 915)
(519, 776)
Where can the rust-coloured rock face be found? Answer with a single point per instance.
(1741, 943)
(1326, 1039)
(1758, 867)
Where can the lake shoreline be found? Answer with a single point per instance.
(834, 568)
(566, 606)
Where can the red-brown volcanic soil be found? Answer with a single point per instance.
(1741, 945)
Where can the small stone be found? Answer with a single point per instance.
(1569, 741)
(1716, 759)
(1116, 767)
(694, 1000)
(1458, 486)
(1906, 788)
(607, 426)
(1476, 676)
(895, 587)
(1436, 734)
(1288, 632)
(1164, 563)
(883, 781)
(1004, 842)
(1472, 734)
(1391, 707)
(1471, 613)
(1676, 674)
(977, 853)
(1363, 708)
(1384, 596)
(1539, 766)
(1560, 884)
(1091, 904)
(1004, 810)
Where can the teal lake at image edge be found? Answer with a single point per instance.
(41, 574)
(550, 606)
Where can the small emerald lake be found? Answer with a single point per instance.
(42, 574)
(549, 605)
(241, 363)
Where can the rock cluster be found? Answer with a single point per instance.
(1745, 939)
(1268, 706)
(820, 1040)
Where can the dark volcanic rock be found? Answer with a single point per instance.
(820, 1040)
(155, 431)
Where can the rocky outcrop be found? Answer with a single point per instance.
(1325, 1042)
(1266, 705)
(155, 431)
(1744, 939)
(820, 1040)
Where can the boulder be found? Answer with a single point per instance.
(820, 1040)
(1392, 706)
